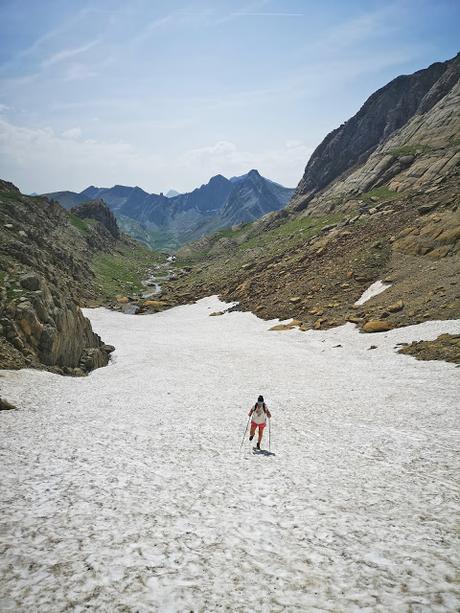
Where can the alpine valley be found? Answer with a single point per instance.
(378, 201)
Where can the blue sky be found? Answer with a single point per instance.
(166, 94)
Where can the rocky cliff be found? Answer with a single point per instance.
(45, 274)
(98, 210)
(385, 112)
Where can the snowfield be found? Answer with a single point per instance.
(126, 491)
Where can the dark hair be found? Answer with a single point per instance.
(260, 399)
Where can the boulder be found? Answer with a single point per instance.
(425, 209)
(397, 306)
(6, 406)
(156, 304)
(295, 299)
(31, 281)
(292, 324)
(130, 309)
(318, 323)
(377, 325)
(93, 357)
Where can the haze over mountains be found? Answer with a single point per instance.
(168, 221)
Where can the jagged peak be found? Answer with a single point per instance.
(217, 179)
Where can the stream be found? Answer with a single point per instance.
(159, 275)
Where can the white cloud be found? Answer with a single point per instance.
(4, 108)
(66, 54)
(361, 28)
(38, 159)
(72, 133)
(284, 164)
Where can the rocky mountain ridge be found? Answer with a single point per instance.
(169, 221)
(386, 111)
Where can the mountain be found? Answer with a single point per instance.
(68, 199)
(171, 193)
(379, 201)
(385, 112)
(169, 221)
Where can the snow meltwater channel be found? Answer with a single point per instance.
(126, 490)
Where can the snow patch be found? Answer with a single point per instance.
(126, 490)
(373, 290)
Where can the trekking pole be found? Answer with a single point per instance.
(245, 430)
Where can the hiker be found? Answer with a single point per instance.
(258, 413)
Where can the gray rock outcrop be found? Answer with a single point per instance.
(386, 111)
(99, 211)
(44, 275)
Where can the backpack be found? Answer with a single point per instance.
(263, 407)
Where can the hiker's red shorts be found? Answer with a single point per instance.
(260, 426)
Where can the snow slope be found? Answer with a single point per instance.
(126, 490)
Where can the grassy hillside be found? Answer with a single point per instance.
(123, 270)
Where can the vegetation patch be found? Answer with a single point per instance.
(379, 194)
(249, 239)
(290, 233)
(10, 195)
(409, 150)
(80, 224)
(122, 272)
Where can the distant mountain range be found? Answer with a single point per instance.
(172, 220)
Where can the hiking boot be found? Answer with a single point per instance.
(258, 446)
(251, 437)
